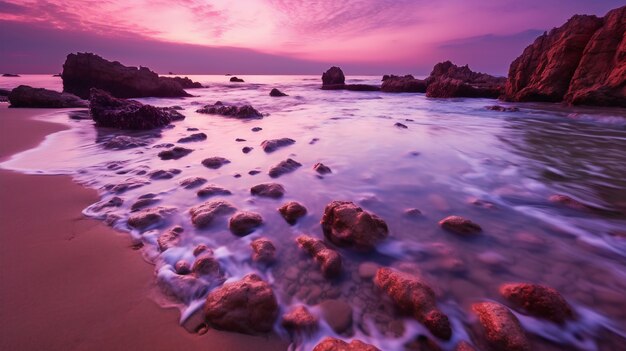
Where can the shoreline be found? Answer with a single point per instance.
(72, 283)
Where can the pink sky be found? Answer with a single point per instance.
(365, 34)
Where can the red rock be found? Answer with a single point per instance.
(346, 224)
(460, 225)
(502, 329)
(328, 259)
(263, 250)
(411, 294)
(182, 267)
(206, 264)
(537, 300)
(169, 238)
(449, 80)
(292, 211)
(332, 344)
(272, 190)
(244, 222)
(246, 306)
(202, 215)
(300, 319)
(283, 167)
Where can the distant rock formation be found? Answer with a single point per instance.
(449, 80)
(582, 62)
(402, 84)
(334, 79)
(25, 96)
(83, 71)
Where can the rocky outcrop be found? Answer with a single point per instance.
(346, 224)
(334, 79)
(402, 84)
(332, 344)
(328, 259)
(502, 329)
(246, 306)
(538, 300)
(83, 71)
(26, 96)
(581, 63)
(413, 295)
(448, 80)
(111, 112)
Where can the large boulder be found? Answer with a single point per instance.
(83, 71)
(502, 329)
(402, 84)
(449, 80)
(26, 96)
(412, 294)
(111, 112)
(346, 224)
(246, 306)
(538, 300)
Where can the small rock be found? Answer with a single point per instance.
(206, 265)
(244, 222)
(254, 172)
(182, 267)
(292, 211)
(215, 162)
(274, 144)
(149, 217)
(277, 93)
(257, 129)
(123, 142)
(142, 203)
(236, 80)
(502, 329)
(164, 174)
(174, 153)
(346, 224)
(460, 225)
(200, 249)
(283, 167)
(321, 168)
(193, 137)
(271, 190)
(263, 250)
(203, 214)
(538, 300)
(300, 320)
(400, 125)
(213, 190)
(239, 140)
(413, 212)
(246, 149)
(328, 259)
(169, 238)
(192, 182)
(239, 112)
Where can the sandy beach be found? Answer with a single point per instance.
(72, 283)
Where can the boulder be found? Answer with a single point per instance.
(83, 71)
(193, 137)
(283, 167)
(111, 112)
(240, 112)
(213, 190)
(272, 190)
(410, 293)
(246, 306)
(538, 300)
(149, 217)
(460, 225)
(405, 84)
(275, 144)
(244, 222)
(277, 93)
(215, 162)
(300, 319)
(333, 344)
(328, 259)
(26, 96)
(170, 238)
(202, 215)
(174, 153)
(346, 224)
(502, 330)
(333, 77)
(449, 80)
(292, 211)
(263, 250)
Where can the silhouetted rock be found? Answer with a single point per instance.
(123, 142)
(283, 167)
(111, 112)
(193, 137)
(332, 344)
(333, 78)
(449, 80)
(405, 84)
(346, 224)
(277, 93)
(83, 71)
(236, 80)
(292, 211)
(328, 259)
(321, 168)
(272, 190)
(244, 222)
(215, 162)
(502, 329)
(202, 215)
(460, 225)
(245, 306)
(274, 144)
(241, 112)
(263, 250)
(174, 153)
(10, 75)
(538, 300)
(25, 96)
(502, 108)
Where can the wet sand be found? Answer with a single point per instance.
(92, 289)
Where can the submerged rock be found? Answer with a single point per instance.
(212, 190)
(263, 250)
(502, 329)
(502, 108)
(538, 300)
(328, 259)
(149, 217)
(111, 112)
(246, 306)
(241, 112)
(215, 162)
(123, 142)
(244, 222)
(568, 201)
(143, 202)
(346, 224)
(126, 184)
(400, 125)
(300, 319)
(405, 84)
(202, 215)
(413, 295)
(274, 144)
(292, 211)
(170, 238)
(83, 71)
(164, 173)
(277, 93)
(321, 168)
(333, 344)
(460, 225)
(174, 153)
(192, 182)
(26, 96)
(193, 137)
(272, 190)
(283, 167)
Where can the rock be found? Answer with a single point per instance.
(182, 267)
(125, 185)
(272, 190)
(460, 225)
(254, 172)
(406, 84)
(240, 140)
(538, 300)
(142, 203)
(123, 142)
(240, 112)
(321, 168)
(236, 80)
(170, 238)
(215, 162)
(113, 202)
(246, 306)
(164, 173)
(10, 75)
(83, 71)
(283, 167)
(292, 211)
(346, 224)
(332, 344)
(246, 149)
(568, 201)
(174, 153)
(400, 125)
(200, 249)
(449, 80)
(263, 250)
(184, 288)
(212, 190)
(192, 182)
(332, 78)
(413, 295)
(338, 314)
(26, 96)
(412, 212)
(202, 215)
(502, 108)
(111, 112)
(184, 82)
(328, 259)
(193, 137)
(149, 217)
(206, 265)
(244, 222)
(274, 144)
(277, 93)
(502, 329)
(300, 319)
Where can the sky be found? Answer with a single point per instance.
(280, 36)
